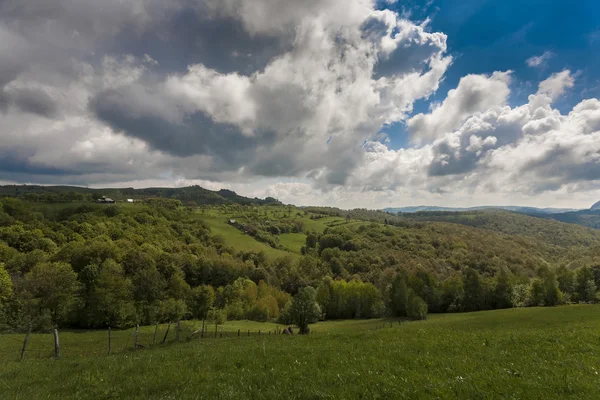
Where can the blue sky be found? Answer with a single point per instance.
(492, 35)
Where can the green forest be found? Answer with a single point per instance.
(68, 262)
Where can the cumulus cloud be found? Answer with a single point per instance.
(273, 98)
(324, 89)
(502, 150)
(474, 93)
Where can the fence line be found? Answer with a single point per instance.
(111, 342)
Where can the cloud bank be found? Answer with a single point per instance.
(277, 98)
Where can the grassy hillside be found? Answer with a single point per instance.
(234, 238)
(288, 244)
(549, 353)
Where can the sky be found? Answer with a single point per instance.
(348, 103)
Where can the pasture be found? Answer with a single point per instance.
(217, 219)
(530, 353)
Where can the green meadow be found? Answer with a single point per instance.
(530, 353)
(291, 243)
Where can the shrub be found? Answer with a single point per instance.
(520, 295)
(416, 307)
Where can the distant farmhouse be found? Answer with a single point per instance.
(105, 200)
(130, 200)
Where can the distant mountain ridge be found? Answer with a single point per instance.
(187, 195)
(587, 217)
(524, 210)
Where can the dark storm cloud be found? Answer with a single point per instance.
(29, 100)
(14, 163)
(562, 163)
(451, 161)
(192, 36)
(195, 134)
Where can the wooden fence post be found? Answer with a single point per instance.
(203, 323)
(259, 332)
(56, 344)
(135, 337)
(109, 341)
(155, 332)
(177, 330)
(24, 349)
(216, 329)
(248, 332)
(166, 333)
(238, 332)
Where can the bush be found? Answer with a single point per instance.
(416, 307)
(520, 295)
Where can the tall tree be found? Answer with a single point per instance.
(473, 289)
(399, 296)
(502, 290)
(202, 300)
(6, 286)
(52, 288)
(326, 297)
(303, 309)
(566, 280)
(583, 276)
(552, 294)
(416, 307)
(110, 301)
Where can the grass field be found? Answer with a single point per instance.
(537, 353)
(217, 220)
(235, 238)
(293, 241)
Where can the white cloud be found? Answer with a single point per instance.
(501, 154)
(539, 61)
(556, 85)
(281, 105)
(475, 93)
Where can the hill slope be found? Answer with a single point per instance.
(588, 218)
(191, 194)
(524, 210)
(545, 229)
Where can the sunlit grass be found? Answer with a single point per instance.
(537, 353)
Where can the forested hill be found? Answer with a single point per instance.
(544, 229)
(90, 265)
(192, 195)
(521, 209)
(589, 218)
(481, 215)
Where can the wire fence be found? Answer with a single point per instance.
(111, 342)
